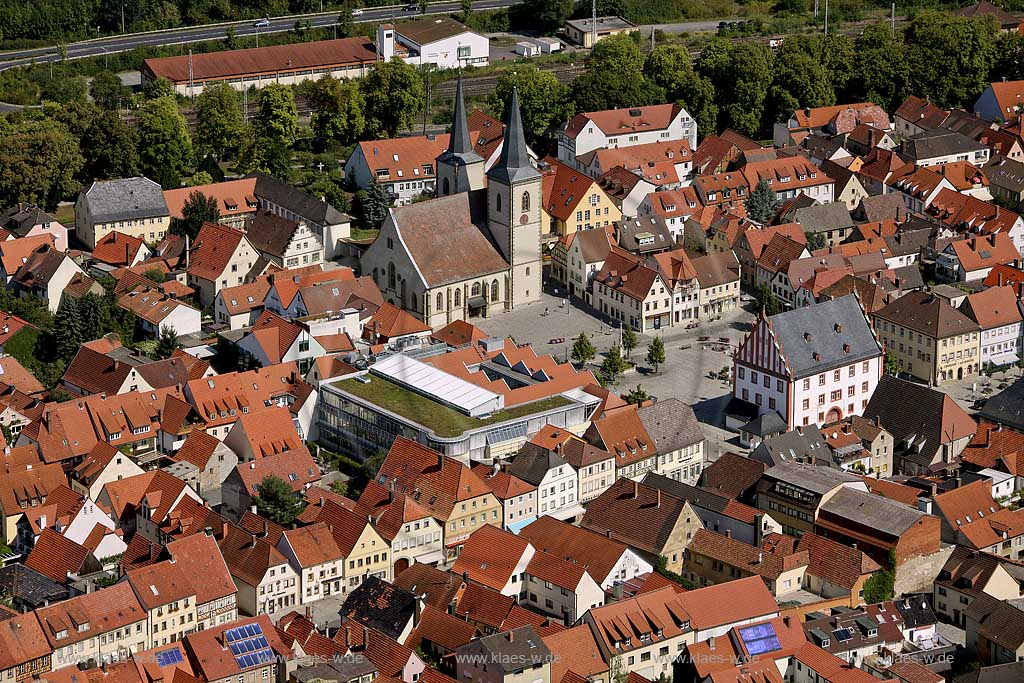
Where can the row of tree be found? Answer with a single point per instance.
(746, 86)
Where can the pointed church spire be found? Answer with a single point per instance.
(514, 163)
(460, 142)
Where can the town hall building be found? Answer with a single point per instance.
(473, 251)
(811, 365)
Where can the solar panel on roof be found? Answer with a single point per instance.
(843, 635)
(760, 639)
(168, 657)
(248, 645)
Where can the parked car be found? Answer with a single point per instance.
(265, 21)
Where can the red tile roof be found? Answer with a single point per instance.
(21, 642)
(618, 121)
(389, 322)
(56, 556)
(490, 556)
(118, 249)
(212, 250)
(984, 251)
(90, 615)
(233, 197)
(295, 467)
(313, 545)
(198, 556)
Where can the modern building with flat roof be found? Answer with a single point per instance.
(480, 402)
(288, 64)
(581, 31)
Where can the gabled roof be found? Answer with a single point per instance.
(295, 467)
(379, 605)
(993, 307)
(620, 431)
(620, 121)
(434, 481)
(564, 188)
(213, 249)
(313, 545)
(731, 475)
(927, 314)
(390, 321)
(997, 620)
(633, 513)
(22, 641)
(595, 553)
(460, 252)
(56, 556)
(27, 487)
(627, 274)
(439, 588)
(118, 249)
(458, 333)
(490, 556)
(270, 233)
(984, 251)
(867, 511)
(779, 253)
(125, 199)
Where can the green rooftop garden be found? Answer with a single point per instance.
(442, 420)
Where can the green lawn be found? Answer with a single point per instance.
(442, 420)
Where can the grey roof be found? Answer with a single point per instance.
(872, 511)
(937, 143)
(603, 24)
(823, 217)
(126, 199)
(628, 230)
(1003, 172)
(907, 242)
(460, 148)
(517, 650)
(818, 480)
(765, 424)
(298, 202)
(1000, 621)
(1000, 673)
(715, 269)
(804, 444)
(24, 216)
(697, 497)
(271, 233)
(824, 335)
(915, 415)
(27, 587)
(672, 424)
(1006, 407)
(965, 123)
(379, 605)
(910, 277)
(532, 463)
(514, 164)
(339, 670)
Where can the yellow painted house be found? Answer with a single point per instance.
(573, 201)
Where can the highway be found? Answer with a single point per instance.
(194, 34)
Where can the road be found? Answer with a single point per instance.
(195, 34)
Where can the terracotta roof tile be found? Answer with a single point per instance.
(56, 556)
(212, 250)
(490, 556)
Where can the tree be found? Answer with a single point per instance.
(882, 72)
(467, 10)
(891, 364)
(741, 75)
(165, 147)
(800, 78)
(656, 353)
(157, 88)
(65, 89)
(613, 365)
(68, 333)
(1009, 57)
(583, 350)
(629, 340)
(615, 77)
(394, 95)
(880, 587)
(197, 209)
(337, 110)
(108, 91)
(155, 275)
(544, 101)
(373, 206)
(637, 396)
(340, 486)
(767, 301)
(346, 25)
(167, 344)
(548, 16)
(110, 147)
(40, 162)
(330, 190)
(951, 57)
(220, 125)
(670, 68)
(815, 241)
(276, 117)
(424, 6)
(762, 203)
(276, 501)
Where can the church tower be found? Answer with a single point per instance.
(459, 168)
(514, 199)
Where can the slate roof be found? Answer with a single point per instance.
(1000, 673)
(823, 217)
(1006, 407)
(295, 200)
(533, 463)
(379, 605)
(804, 444)
(514, 164)
(824, 335)
(920, 419)
(29, 587)
(819, 480)
(271, 233)
(517, 650)
(125, 199)
(461, 251)
(997, 620)
(700, 498)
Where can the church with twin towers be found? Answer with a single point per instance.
(475, 249)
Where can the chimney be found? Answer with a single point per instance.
(511, 635)
(659, 498)
(224, 529)
(711, 643)
(636, 490)
(786, 620)
(760, 557)
(728, 533)
(309, 613)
